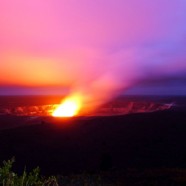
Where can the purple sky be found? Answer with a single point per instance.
(98, 47)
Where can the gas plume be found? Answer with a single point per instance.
(97, 49)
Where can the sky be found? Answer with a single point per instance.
(100, 48)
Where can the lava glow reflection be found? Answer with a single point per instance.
(70, 107)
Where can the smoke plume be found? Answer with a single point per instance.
(95, 48)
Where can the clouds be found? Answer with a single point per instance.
(96, 46)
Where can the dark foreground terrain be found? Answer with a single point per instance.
(135, 149)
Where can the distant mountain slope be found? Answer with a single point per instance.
(137, 140)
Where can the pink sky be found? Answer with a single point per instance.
(91, 46)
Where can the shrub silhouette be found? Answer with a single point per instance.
(33, 178)
(106, 162)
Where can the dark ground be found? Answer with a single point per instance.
(138, 145)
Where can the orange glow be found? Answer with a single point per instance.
(70, 107)
(32, 71)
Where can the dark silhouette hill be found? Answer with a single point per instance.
(146, 140)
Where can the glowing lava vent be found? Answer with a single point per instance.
(68, 108)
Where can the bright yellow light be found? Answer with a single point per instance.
(68, 108)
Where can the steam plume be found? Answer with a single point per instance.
(96, 48)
